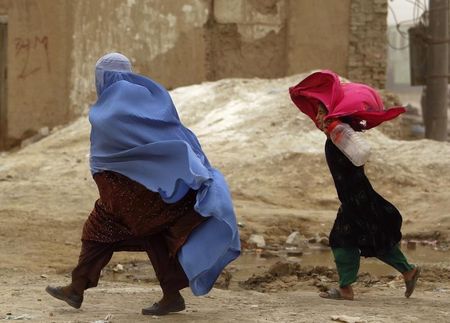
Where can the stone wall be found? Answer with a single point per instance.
(318, 35)
(367, 47)
(246, 38)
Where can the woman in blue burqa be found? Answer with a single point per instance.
(158, 192)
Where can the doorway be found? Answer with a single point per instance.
(3, 81)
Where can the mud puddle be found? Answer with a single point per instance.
(257, 262)
(252, 262)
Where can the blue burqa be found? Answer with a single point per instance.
(136, 132)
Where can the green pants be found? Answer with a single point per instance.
(347, 263)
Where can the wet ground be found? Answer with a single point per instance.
(255, 262)
(323, 257)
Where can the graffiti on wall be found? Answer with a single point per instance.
(32, 54)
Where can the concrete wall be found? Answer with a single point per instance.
(38, 54)
(367, 54)
(164, 39)
(318, 35)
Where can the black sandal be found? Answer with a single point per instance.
(157, 309)
(411, 284)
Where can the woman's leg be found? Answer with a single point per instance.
(170, 275)
(168, 270)
(93, 257)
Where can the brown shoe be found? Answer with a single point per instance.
(65, 293)
(177, 305)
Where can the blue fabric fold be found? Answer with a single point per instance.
(136, 131)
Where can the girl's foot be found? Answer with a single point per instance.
(411, 278)
(343, 293)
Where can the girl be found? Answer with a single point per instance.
(366, 224)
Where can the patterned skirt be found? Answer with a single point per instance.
(127, 210)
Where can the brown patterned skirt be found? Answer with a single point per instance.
(127, 210)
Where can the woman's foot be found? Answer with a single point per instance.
(169, 303)
(66, 294)
(343, 293)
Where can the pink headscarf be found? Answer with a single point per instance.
(359, 102)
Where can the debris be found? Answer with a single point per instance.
(294, 252)
(324, 241)
(223, 282)
(294, 239)
(312, 240)
(411, 245)
(118, 268)
(268, 254)
(9, 316)
(393, 284)
(322, 286)
(107, 319)
(258, 240)
(282, 268)
(347, 319)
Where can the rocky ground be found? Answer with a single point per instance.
(272, 157)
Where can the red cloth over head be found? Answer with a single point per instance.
(359, 103)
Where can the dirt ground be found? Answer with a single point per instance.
(272, 157)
